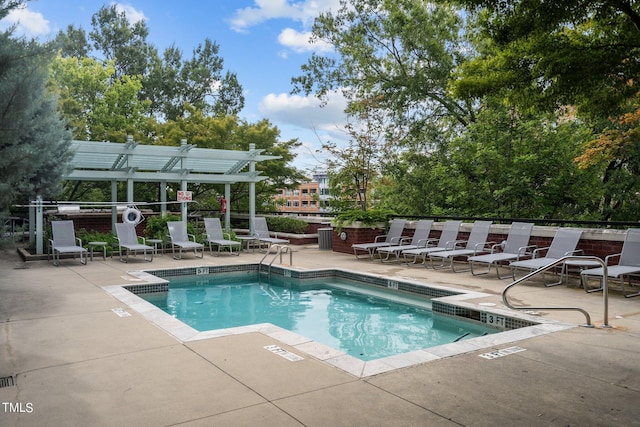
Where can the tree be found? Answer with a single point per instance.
(98, 105)
(230, 133)
(577, 52)
(399, 53)
(201, 82)
(355, 168)
(34, 142)
(508, 164)
(122, 42)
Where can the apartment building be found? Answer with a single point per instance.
(308, 199)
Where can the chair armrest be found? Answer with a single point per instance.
(610, 257)
(79, 241)
(576, 252)
(397, 240)
(526, 250)
(378, 238)
(483, 247)
(226, 236)
(192, 236)
(536, 252)
(451, 245)
(497, 247)
(142, 239)
(459, 244)
(405, 240)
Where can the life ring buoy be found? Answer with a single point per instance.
(132, 215)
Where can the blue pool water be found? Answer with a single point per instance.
(363, 322)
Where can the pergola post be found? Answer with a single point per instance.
(114, 207)
(227, 214)
(252, 193)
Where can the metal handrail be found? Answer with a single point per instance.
(605, 289)
(279, 251)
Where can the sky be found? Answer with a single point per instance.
(265, 42)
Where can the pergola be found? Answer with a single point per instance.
(133, 162)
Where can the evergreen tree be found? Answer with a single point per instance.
(34, 141)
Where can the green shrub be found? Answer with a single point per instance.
(157, 226)
(369, 217)
(284, 224)
(93, 236)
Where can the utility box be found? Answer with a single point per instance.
(324, 238)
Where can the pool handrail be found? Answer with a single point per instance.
(605, 289)
(280, 249)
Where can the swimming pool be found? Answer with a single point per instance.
(445, 300)
(362, 321)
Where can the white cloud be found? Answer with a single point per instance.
(28, 23)
(300, 42)
(305, 111)
(304, 11)
(132, 14)
(303, 118)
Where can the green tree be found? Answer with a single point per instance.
(231, 133)
(200, 81)
(34, 142)
(575, 52)
(122, 42)
(508, 164)
(399, 53)
(98, 105)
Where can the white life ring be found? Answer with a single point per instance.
(131, 215)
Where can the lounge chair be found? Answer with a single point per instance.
(446, 241)
(393, 237)
(215, 237)
(263, 235)
(515, 247)
(64, 241)
(628, 264)
(564, 243)
(476, 244)
(127, 239)
(180, 239)
(419, 240)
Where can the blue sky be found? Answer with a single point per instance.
(264, 42)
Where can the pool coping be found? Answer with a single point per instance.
(454, 302)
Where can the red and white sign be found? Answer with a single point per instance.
(185, 196)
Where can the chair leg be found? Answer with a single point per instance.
(624, 291)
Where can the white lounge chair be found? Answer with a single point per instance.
(564, 243)
(64, 241)
(420, 239)
(263, 235)
(628, 264)
(180, 239)
(476, 244)
(215, 237)
(446, 241)
(393, 237)
(515, 247)
(127, 239)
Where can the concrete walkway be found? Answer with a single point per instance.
(76, 362)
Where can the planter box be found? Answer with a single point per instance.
(355, 233)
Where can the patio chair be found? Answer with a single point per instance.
(564, 243)
(263, 235)
(419, 240)
(64, 241)
(127, 239)
(513, 249)
(446, 241)
(476, 244)
(215, 237)
(628, 264)
(393, 237)
(180, 239)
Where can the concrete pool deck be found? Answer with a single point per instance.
(76, 361)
